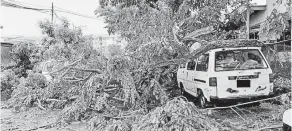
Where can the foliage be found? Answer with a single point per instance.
(32, 89)
(153, 50)
(8, 81)
(277, 22)
(176, 114)
(24, 54)
(24, 57)
(282, 84)
(155, 31)
(228, 43)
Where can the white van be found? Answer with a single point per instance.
(226, 72)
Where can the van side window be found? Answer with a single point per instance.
(203, 61)
(191, 65)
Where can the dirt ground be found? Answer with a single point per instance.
(34, 119)
(251, 118)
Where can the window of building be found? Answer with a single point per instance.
(254, 35)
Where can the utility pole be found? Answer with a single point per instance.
(52, 31)
(247, 18)
(52, 12)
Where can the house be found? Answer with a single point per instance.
(260, 13)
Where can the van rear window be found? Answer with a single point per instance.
(241, 59)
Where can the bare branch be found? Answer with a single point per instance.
(89, 70)
(74, 79)
(274, 52)
(49, 100)
(67, 70)
(75, 62)
(237, 113)
(119, 99)
(40, 105)
(197, 33)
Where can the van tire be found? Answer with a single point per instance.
(182, 90)
(201, 100)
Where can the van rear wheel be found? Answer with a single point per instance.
(202, 100)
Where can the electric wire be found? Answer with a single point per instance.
(17, 4)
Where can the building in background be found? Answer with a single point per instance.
(260, 14)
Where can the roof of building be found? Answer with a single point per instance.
(6, 44)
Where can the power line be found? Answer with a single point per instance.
(76, 14)
(29, 4)
(13, 5)
(57, 16)
(18, 4)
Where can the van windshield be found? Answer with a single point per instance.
(241, 59)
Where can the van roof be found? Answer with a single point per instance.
(227, 44)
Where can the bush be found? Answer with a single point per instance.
(176, 114)
(8, 81)
(280, 71)
(282, 85)
(34, 88)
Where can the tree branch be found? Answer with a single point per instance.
(119, 99)
(40, 105)
(89, 70)
(75, 62)
(278, 58)
(237, 114)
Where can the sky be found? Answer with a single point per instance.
(21, 22)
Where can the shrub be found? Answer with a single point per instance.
(8, 81)
(34, 88)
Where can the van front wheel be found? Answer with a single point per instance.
(202, 100)
(182, 90)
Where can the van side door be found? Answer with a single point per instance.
(181, 73)
(201, 75)
(190, 75)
